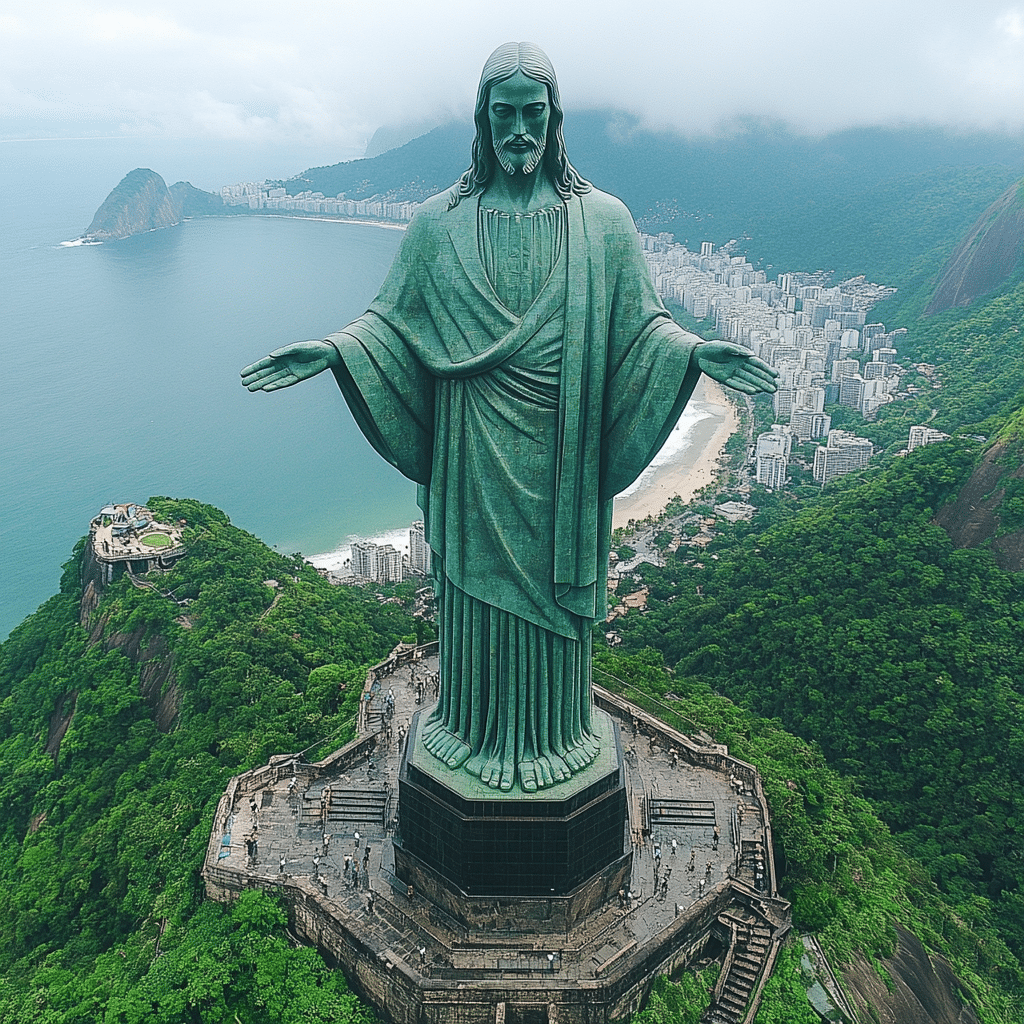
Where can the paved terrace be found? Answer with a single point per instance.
(675, 806)
(111, 546)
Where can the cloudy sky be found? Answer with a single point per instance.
(329, 73)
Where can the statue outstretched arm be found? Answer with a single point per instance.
(736, 367)
(288, 365)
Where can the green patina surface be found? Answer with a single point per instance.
(520, 367)
(471, 787)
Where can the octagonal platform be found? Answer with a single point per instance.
(423, 951)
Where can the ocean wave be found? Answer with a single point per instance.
(675, 443)
(81, 241)
(335, 559)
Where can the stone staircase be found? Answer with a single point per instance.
(663, 811)
(752, 940)
(347, 809)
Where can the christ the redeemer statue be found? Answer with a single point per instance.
(519, 366)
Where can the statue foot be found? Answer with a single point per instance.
(446, 747)
(545, 777)
(575, 760)
(559, 769)
(456, 755)
(528, 776)
(475, 765)
(498, 773)
(432, 734)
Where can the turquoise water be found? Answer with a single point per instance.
(120, 364)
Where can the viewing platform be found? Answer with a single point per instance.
(701, 884)
(128, 537)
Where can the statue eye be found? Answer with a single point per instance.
(535, 109)
(501, 110)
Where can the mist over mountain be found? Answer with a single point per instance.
(866, 200)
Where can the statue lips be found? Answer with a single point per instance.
(528, 152)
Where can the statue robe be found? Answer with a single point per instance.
(519, 428)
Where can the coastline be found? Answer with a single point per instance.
(686, 471)
(394, 225)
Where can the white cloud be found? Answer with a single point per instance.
(317, 73)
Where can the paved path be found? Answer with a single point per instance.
(289, 825)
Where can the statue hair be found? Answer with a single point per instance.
(506, 60)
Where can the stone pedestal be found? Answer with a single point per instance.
(548, 858)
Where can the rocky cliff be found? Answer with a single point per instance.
(143, 202)
(990, 253)
(989, 510)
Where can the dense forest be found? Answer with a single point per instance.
(848, 616)
(102, 917)
(102, 832)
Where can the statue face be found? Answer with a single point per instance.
(519, 111)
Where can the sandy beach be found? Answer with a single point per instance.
(691, 467)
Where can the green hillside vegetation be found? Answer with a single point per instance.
(979, 353)
(853, 620)
(848, 879)
(102, 917)
(101, 843)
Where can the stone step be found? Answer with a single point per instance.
(664, 811)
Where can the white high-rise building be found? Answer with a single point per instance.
(777, 441)
(844, 453)
(812, 398)
(771, 471)
(419, 550)
(381, 563)
(782, 402)
(845, 368)
(920, 436)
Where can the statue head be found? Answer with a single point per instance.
(505, 63)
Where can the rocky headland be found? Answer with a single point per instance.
(142, 202)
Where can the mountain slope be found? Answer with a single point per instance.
(991, 252)
(872, 201)
(141, 201)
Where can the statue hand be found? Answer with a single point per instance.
(287, 366)
(736, 367)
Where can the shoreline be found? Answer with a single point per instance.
(693, 467)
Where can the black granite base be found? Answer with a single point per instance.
(489, 844)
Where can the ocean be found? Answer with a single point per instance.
(120, 362)
(120, 366)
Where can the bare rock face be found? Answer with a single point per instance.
(143, 202)
(973, 518)
(923, 989)
(991, 252)
(140, 202)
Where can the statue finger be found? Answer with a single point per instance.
(260, 364)
(267, 380)
(760, 364)
(285, 382)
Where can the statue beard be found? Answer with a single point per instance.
(533, 156)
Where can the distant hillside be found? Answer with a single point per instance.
(991, 252)
(989, 509)
(141, 201)
(872, 200)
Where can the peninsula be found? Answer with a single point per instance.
(141, 202)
